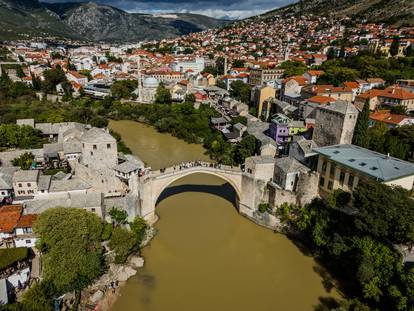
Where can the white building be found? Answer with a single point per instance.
(196, 66)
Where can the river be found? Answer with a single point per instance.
(206, 256)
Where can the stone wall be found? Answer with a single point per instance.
(306, 191)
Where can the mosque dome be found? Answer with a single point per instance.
(151, 83)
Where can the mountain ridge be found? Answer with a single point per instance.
(90, 21)
(387, 11)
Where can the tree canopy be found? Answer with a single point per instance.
(70, 241)
(163, 95)
(358, 248)
(240, 91)
(23, 137)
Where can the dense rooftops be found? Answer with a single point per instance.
(373, 164)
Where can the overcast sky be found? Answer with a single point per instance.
(232, 9)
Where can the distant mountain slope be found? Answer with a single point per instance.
(102, 22)
(397, 12)
(92, 22)
(22, 18)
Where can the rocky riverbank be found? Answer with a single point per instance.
(103, 293)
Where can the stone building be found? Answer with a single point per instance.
(344, 166)
(335, 123)
(148, 90)
(99, 149)
(287, 171)
(263, 76)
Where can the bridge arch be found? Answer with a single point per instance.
(164, 183)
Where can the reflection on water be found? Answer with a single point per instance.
(206, 257)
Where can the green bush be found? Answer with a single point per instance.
(106, 232)
(263, 207)
(9, 256)
(123, 243)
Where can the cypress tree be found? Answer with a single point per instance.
(361, 137)
(395, 46)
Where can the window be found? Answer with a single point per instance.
(351, 181)
(91, 153)
(321, 182)
(94, 147)
(342, 178)
(324, 166)
(332, 171)
(330, 185)
(93, 210)
(108, 146)
(28, 241)
(29, 184)
(20, 185)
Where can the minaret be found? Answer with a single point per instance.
(139, 80)
(225, 65)
(287, 52)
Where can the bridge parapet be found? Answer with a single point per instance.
(193, 166)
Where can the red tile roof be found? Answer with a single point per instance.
(26, 221)
(370, 94)
(397, 93)
(316, 73)
(321, 99)
(299, 79)
(387, 117)
(9, 217)
(352, 85)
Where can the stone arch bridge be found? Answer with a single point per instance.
(150, 186)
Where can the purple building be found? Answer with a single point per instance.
(279, 128)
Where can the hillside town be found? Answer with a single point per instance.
(274, 80)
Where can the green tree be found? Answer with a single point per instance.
(220, 65)
(53, 77)
(70, 241)
(384, 212)
(237, 63)
(263, 207)
(361, 128)
(395, 46)
(293, 68)
(36, 83)
(24, 137)
(246, 148)
(138, 228)
(118, 216)
(123, 243)
(39, 297)
(240, 91)
(163, 95)
(190, 98)
(25, 161)
(221, 84)
(123, 88)
(239, 119)
(106, 231)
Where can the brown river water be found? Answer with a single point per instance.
(205, 255)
